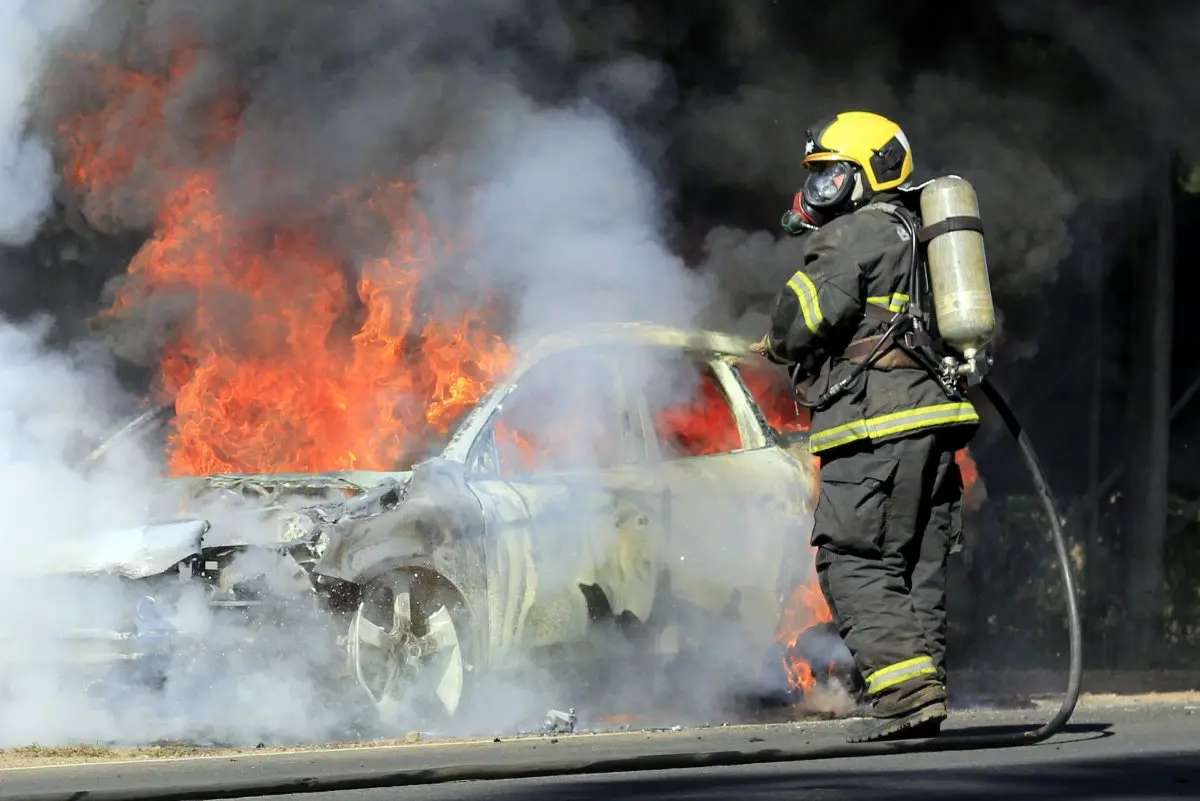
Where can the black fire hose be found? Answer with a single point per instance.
(1074, 625)
(653, 762)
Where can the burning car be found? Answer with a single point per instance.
(621, 478)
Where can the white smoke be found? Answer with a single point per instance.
(572, 221)
(58, 519)
(50, 405)
(28, 31)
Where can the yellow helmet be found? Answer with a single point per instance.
(874, 143)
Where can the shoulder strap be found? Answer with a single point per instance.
(886, 208)
(913, 286)
(929, 232)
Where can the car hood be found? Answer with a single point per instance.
(136, 552)
(238, 506)
(272, 511)
(275, 487)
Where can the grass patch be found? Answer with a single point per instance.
(82, 751)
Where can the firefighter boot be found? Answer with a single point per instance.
(903, 715)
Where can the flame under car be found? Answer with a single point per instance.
(623, 478)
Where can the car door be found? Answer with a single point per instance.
(736, 502)
(560, 471)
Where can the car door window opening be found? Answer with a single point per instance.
(561, 415)
(700, 424)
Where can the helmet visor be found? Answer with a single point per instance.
(829, 183)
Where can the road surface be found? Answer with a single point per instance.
(1117, 751)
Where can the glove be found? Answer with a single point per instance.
(763, 348)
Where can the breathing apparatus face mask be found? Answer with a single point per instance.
(830, 190)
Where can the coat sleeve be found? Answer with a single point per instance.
(824, 295)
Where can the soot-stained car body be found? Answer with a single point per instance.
(623, 478)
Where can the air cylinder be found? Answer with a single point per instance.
(962, 293)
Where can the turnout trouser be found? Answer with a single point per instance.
(888, 516)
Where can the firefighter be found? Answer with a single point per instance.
(890, 490)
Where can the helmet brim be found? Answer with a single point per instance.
(814, 158)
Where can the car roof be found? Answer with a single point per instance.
(643, 334)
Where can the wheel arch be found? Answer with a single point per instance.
(425, 574)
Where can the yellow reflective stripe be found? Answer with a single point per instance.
(899, 673)
(810, 305)
(895, 302)
(887, 425)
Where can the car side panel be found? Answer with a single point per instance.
(739, 530)
(739, 521)
(549, 535)
(512, 580)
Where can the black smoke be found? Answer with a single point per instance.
(1049, 108)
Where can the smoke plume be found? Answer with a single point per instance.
(27, 178)
(329, 99)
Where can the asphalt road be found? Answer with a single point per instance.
(1136, 752)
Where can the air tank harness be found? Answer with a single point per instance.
(908, 330)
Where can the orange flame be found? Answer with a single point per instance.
(806, 608)
(284, 364)
(772, 388)
(966, 466)
(701, 425)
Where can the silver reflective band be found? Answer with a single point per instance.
(898, 673)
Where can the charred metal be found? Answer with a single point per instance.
(463, 565)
